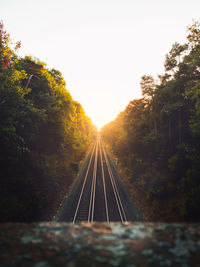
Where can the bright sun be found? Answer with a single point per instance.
(99, 119)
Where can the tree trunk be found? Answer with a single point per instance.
(156, 132)
(170, 134)
(179, 126)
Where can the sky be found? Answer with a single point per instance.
(102, 47)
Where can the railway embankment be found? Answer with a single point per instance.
(98, 193)
(99, 244)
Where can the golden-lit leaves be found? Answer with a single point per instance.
(194, 33)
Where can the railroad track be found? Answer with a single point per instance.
(98, 194)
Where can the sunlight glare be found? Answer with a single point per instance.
(104, 48)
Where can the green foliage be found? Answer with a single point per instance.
(157, 138)
(44, 134)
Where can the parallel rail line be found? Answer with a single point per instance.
(85, 179)
(94, 196)
(104, 186)
(115, 190)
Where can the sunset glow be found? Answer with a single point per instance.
(102, 47)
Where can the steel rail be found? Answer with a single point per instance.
(99, 149)
(95, 178)
(85, 179)
(93, 188)
(115, 190)
(104, 185)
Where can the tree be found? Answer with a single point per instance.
(161, 132)
(44, 133)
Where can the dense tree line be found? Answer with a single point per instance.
(157, 137)
(44, 134)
